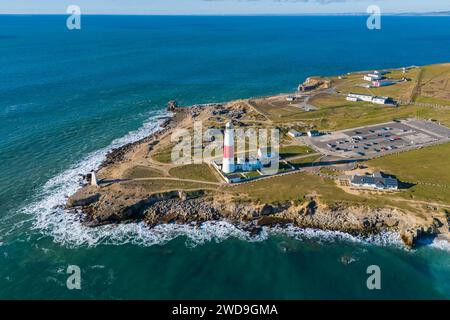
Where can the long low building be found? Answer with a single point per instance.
(375, 181)
(294, 133)
(360, 97)
(372, 77)
(368, 98)
(382, 83)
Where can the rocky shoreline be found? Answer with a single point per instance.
(118, 154)
(182, 208)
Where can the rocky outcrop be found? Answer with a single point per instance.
(82, 199)
(172, 105)
(179, 211)
(412, 236)
(120, 154)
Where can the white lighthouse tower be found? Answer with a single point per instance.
(93, 179)
(228, 149)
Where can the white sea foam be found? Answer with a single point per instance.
(382, 239)
(441, 244)
(65, 228)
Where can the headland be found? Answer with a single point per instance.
(362, 153)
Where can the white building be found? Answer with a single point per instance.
(360, 97)
(372, 77)
(313, 133)
(375, 181)
(369, 98)
(382, 72)
(294, 133)
(380, 100)
(290, 98)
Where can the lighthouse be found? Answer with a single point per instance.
(228, 150)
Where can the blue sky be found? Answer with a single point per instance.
(220, 6)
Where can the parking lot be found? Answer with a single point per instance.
(376, 140)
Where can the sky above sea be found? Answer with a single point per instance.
(221, 6)
(68, 97)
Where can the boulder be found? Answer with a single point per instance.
(408, 238)
(266, 210)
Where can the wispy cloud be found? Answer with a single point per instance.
(288, 1)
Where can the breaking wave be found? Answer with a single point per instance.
(47, 209)
(440, 244)
(51, 219)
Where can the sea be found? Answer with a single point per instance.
(67, 97)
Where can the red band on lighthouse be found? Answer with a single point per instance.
(228, 152)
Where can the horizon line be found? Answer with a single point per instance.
(433, 13)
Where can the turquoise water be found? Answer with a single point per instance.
(67, 97)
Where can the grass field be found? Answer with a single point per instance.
(434, 85)
(277, 112)
(295, 187)
(291, 151)
(194, 172)
(429, 194)
(292, 187)
(430, 165)
(141, 172)
(164, 155)
(302, 162)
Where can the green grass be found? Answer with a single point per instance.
(302, 162)
(431, 164)
(164, 155)
(428, 165)
(295, 187)
(292, 187)
(433, 100)
(428, 194)
(194, 172)
(291, 151)
(252, 174)
(141, 172)
(434, 85)
(329, 172)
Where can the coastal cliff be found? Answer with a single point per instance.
(196, 207)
